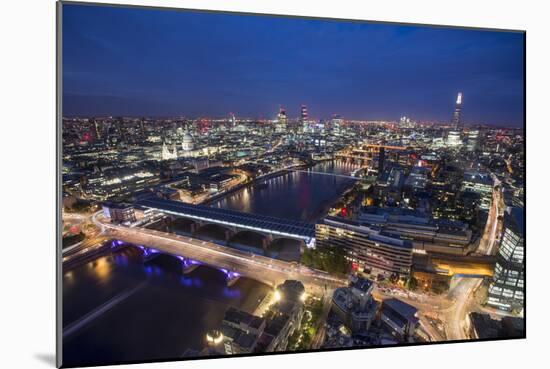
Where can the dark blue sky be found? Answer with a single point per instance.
(144, 62)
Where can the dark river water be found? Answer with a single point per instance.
(118, 309)
(296, 195)
(155, 312)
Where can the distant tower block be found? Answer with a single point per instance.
(281, 120)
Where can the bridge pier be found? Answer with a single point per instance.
(231, 277)
(228, 234)
(266, 241)
(116, 245)
(188, 265)
(148, 254)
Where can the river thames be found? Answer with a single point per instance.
(117, 309)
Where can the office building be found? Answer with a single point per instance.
(424, 233)
(365, 247)
(281, 120)
(472, 142)
(399, 319)
(354, 304)
(507, 289)
(240, 331)
(454, 139)
(119, 212)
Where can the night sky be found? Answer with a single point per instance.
(144, 62)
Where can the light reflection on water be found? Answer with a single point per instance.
(295, 195)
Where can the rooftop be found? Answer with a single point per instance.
(402, 308)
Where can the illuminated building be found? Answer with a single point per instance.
(304, 118)
(456, 114)
(303, 114)
(481, 184)
(240, 331)
(406, 122)
(281, 120)
(119, 212)
(472, 141)
(507, 289)
(97, 129)
(425, 234)
(187, 142)
(354, 304)
(454, 136)
(366, 247)
(454, 139)
(166, 154)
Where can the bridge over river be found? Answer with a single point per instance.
(234, 262)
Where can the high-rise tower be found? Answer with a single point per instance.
(303, 114)
(281, 120)
(456, 113)
(507, 289)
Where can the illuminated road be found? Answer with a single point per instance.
(462, 296)
(488, 242)
(264, 269)
(429, 306)
(463, 293)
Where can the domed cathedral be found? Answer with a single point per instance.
(187, 144)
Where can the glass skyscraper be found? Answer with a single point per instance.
(507, 289)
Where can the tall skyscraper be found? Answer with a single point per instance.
(456, 113)
(507, 289)
(281, 120)
(473, 139)
(304, 119)
(303, 114)
(97, 129)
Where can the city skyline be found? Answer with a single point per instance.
(258, 184)
(153, 67)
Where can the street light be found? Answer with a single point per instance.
(214, 337)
